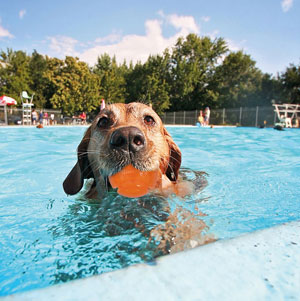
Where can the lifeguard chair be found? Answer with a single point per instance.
(286, 113)
(27, 107)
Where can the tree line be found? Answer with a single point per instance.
(197, 72)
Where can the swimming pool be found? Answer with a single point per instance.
(47, 237)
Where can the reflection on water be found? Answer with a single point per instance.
(118, 231)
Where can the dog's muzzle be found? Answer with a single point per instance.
(130, 139)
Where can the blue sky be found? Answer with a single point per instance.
(268, 30)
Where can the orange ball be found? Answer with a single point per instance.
(133, 183)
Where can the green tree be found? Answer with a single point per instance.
(237, 80)
(14, 73)
(38, 83)
(193, 63)
(199, 72)
(112, 79)
(269, 91)
(74, 86)
(149, 83)
(290, 80)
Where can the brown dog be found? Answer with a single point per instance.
(124, 134)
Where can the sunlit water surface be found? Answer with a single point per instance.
(47, 238)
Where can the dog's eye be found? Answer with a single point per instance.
(149, 120)
(103, 122)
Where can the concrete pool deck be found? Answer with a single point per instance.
(263, 265)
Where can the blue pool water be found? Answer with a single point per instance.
(47, 237)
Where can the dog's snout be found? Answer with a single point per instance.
(128, 138)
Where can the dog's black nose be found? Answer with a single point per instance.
(128, 138)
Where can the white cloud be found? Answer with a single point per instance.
(214, 34)
(132, 47)
(4, 33)
(138, 47)
(62, 45)
(112, 38)
(205, 19)
(233, 46)
(286, 5)
(22, 13)
(184, 23)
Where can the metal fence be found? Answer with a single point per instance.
(240, 116)
(14, 115)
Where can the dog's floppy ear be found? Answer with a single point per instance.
(82, 170)
(174, 159)
(74, 181)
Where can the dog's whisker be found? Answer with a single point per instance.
(175, 159)
(88, 152)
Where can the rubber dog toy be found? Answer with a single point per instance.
(133, 183)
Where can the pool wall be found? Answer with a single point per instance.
(264, 265)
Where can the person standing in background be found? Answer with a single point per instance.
(82, 116)
(206, 116)
(41, 117)
(34, 116)
(52, 117)
(201, 118)
(46, 120)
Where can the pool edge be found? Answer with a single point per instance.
(263, 264)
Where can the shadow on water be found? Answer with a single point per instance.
(101, 236)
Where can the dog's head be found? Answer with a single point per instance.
(123, 134)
